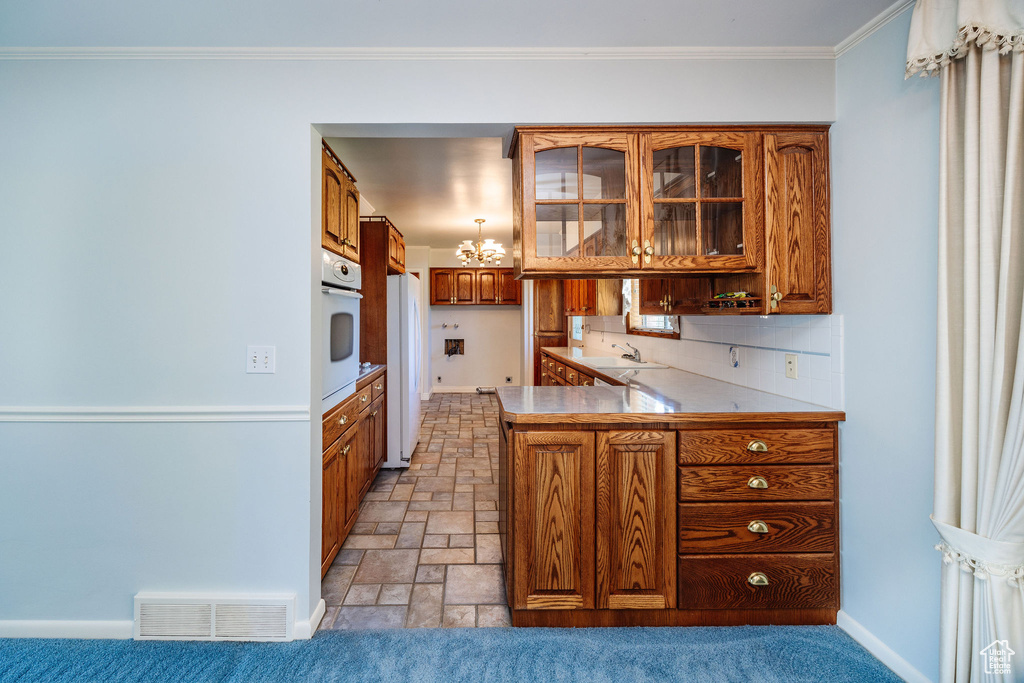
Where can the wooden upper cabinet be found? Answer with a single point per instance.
(579, 205)
(396, 251)
(510, 290)
(487, 285)
(465, 287)
(798, 222)
(339, 207)
(468, 286)
(700, 202)
(442, 286)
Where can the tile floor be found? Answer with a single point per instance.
(424, 550)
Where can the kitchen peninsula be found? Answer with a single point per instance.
(666, 498)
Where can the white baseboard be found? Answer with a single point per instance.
(465, 390)
(67, 629)
(305, 628)
(426, 396)
(880, 650)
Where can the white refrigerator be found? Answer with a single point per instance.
(404, 354)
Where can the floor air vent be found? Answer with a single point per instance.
(178, 616)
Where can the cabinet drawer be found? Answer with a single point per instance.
(559, 369)
(734, 446)
(584, 380)
(377, 388)
(362, 398)
(723, 581)
(734, 528)
(572, 375)
(739, 482)
(344, 415)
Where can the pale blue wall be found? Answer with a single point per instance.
(885, 212)
(155, 218)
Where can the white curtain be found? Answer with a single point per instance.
(978, 48)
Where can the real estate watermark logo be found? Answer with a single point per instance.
(997, 657)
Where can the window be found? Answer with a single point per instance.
(648, 325)
(577, 327)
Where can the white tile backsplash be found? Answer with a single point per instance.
(763, 342)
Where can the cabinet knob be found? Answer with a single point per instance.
(648, 250)
(757, 482)
(374, 414)
(636, 250)
(343, 420)
(758, 527)
(757, 579)
(757, 446)
(346, 449)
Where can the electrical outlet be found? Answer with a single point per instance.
(791, 365)
(260, 359)
(439, 378)
(508, 380)
(734, 356)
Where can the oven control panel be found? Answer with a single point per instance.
(340, 272)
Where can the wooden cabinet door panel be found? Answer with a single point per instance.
(554, 520)
(797, 221)
(635, 520)
(351, 222)
(333, 493)
(354, 474)
(510, 290)
(465, 288)
(486, 285)
(331, 204)
(377, 418)
(442, 286)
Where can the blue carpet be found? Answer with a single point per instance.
(780, 654)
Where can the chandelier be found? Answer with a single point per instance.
(483, 251)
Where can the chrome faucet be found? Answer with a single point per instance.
(635, 356)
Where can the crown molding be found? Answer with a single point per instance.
(875, 24)
(404, 54)
(156, 414)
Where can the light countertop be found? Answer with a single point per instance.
(659, 395)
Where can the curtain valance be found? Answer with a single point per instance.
(941, 30)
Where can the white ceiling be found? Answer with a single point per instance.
(437, 23)
(433, 188)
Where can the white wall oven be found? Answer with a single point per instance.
(340, 279)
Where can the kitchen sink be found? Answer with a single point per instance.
(623, 363)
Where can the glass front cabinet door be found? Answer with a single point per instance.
(579, 205)
(635, 201)
(699, 201)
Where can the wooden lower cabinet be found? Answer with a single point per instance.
(554, 520)
(669, 523)
(636, 525)
(354, 434)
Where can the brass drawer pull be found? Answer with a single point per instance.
(378, 386)
(757, 579)
(343, 420)
(757, 482)
(374, 414)
(572, 375)
(363, 398)
(544, 361)
(586, 383)
(758, 527)
(560, 370)
(757, 446)
(346, 449)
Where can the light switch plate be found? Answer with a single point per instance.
(260, 359)
(791, 365)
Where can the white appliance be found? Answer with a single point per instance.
(404, 353)
(339, 311)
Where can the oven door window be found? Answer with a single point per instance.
(342, 325)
